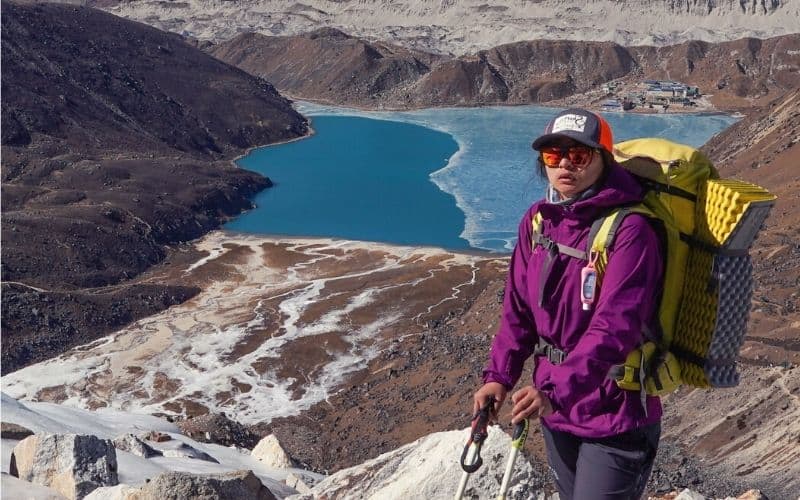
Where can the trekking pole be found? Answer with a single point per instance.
(471, 456)
(517, 441)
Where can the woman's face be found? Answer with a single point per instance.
(566, 177)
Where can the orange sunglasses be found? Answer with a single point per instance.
(579, 156)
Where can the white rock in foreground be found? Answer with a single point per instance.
(429, 468)
(271, 453)
(71, 464)
(133, 471)
(118, 492)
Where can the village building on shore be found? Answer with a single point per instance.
(648, 94)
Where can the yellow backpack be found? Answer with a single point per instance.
(709, 225)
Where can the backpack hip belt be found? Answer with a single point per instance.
(551, 352)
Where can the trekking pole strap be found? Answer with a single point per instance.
(477, 436)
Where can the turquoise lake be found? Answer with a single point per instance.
(457, 178)
(359, 179)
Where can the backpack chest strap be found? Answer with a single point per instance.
(553, 247)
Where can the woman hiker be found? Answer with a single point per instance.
(601, 440)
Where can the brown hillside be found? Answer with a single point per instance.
(576, 66)
(116, 141)
(329, 66)
(764, 149)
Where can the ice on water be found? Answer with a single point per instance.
(492, 176)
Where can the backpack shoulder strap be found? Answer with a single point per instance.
(604, 231)
(553, 249)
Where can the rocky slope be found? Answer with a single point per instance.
(717, 442)
(466, 26)
(64, 179)
(330, 66)
(116, 142)
(765, 149)
(313, 299)
(54, 452)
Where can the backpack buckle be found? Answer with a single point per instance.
(551, 352)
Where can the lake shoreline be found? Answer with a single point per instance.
(577, 100)
(488, 174)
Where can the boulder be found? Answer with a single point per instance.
(429, 468)
(132, 444)
(118, 492)
(71, 464)
(271, 453)
(14, 431)
(298, 483)
(752, 495)
(183, 450)
(688, 494)
(156, 437)
(182, 485)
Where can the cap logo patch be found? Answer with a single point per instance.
(569, 122)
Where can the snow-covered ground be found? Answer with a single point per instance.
(278, 326)
(133, 470)
(427, 468)
(465, 26)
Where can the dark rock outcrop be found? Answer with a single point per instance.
(14, 431)
(81, 77)
(116, 143)
(218, 429)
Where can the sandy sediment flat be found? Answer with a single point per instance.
(278, 326)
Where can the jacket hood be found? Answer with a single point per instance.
(616, 187)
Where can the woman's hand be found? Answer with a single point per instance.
(481, 396)
(527, 401)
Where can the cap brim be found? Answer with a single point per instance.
(575, 136)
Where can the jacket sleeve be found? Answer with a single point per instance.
(516, 336)
(627, 301)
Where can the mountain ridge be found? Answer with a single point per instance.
(378, 75)
(467, 26)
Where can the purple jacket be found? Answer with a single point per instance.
(586, 403)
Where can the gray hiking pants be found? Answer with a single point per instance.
(615, 467)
